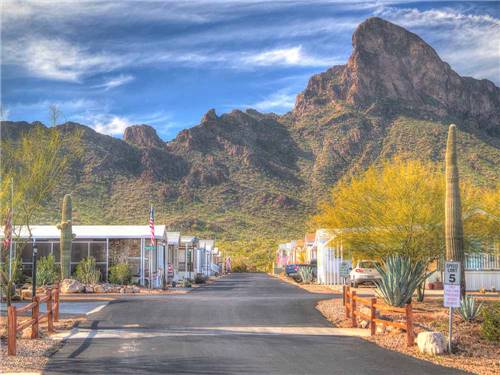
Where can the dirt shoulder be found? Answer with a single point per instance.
(32, 354)
(471, 352)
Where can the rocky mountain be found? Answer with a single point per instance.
(250, 174)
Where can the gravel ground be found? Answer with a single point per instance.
(471, 352)
(32, 355)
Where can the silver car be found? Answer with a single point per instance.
(364, 272)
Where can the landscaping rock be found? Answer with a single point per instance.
(99, 289)
(431, 343)
(26, 294)
(364, 324)
(89, 289)
(394, 330)
(71, 286)
(380, 329)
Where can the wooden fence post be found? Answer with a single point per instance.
(56, 302)
(347, 302)
(11, 330)
(35, 313)
(373, 301)
(343, 294)
(353, 309)
(50, 315)
(409, 325)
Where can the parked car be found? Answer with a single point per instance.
(364, 272)
(292, 269)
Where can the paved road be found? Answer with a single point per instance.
(242, 324)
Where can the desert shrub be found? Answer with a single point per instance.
(491, 322)
(469, 308)
(306, 274)
(400, 277)
(120, 274)
(47, 271)
(200, 279)
(242, 267)
(87, 272)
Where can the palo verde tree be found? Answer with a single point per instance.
(34, 162)
(397, 207)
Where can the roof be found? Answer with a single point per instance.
(188, 239)
(310, 237)
(173, 238)
(207, 244)
(42, 232)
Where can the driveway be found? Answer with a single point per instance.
(241, 324)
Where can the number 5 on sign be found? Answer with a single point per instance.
(452, 273)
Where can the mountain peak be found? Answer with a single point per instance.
(142, 136)
(210, 116)
(389, 63)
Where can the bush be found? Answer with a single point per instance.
(400, 277)
(469, 309)
(120, 274)
(306, 274)
(87, 272)
(491, 322)
(47, 271)
(200, 279)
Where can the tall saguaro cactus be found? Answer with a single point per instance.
(454, 231)
(66, 237)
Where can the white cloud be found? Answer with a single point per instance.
(284, 56)
(58, 59)
(113, 82)
(278, 101)
(110, 125)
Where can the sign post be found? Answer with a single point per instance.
(344, 273)
(452, 277)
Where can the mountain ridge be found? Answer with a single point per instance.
(244, 174)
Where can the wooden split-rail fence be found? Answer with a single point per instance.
(352, 302)
(51, 298)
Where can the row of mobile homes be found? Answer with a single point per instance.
(170, 257)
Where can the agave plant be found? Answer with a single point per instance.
(469, 308)
(400, 277)
(306, 274)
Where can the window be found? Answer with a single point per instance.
(43, 249)
(98, 251)
(56, 251)
(26, 251)
(79, 251)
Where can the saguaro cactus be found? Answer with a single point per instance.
(66, 237)
(454, 231)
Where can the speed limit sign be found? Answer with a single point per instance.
(451, 284)
(452, 273)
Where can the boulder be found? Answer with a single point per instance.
(26, 294)
(71, 286)
(364, 324)
(380, 329)
(89, 289)
(432, 343)
(99, 289)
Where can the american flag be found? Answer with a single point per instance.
(152, 224)
(7, 232)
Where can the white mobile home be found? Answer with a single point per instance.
(108, 244)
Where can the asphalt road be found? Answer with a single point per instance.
(242, 324)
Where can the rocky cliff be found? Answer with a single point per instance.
(246, 174)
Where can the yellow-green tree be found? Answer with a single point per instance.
(35, 164)
(397, 207)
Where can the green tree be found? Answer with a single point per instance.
(397, 207)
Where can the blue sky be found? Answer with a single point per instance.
(112, 64)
